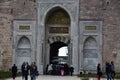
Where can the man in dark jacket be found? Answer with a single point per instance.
(22, 70)
(71, 70)
(14, 71)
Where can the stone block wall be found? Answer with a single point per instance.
(107, 11)
(11, 10)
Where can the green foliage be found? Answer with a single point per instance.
(4, 74)
(86, 76)
(117, 76)
(7, 74)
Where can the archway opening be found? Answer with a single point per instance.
(59, 57)
(58, 53)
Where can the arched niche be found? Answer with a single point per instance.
(90, 54)
(23, 51)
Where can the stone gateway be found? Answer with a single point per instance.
(35, 30)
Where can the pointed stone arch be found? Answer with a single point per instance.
(52, 9)
(57, 13)
(23, 51)
(23, 42)
(90, 54)
(57, 24)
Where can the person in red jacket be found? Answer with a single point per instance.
(99, 71)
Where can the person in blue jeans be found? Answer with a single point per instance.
(33, 71)
(112, 70)
(108, 71)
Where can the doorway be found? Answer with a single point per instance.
(59, 57)
(58, 53)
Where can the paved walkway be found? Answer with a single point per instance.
(48, 77)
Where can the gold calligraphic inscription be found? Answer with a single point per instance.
(58, 16)
(24, 27)
(90, 27)
(58, 30)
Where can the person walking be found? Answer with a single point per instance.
(33, 71)
(22, 70)
(99, 71)
(71, 70)
(14, 71)
(26, 70)
(108, 71)
(112, 70)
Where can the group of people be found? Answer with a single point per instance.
(59, 69)
(32, 70)
(109, 69)
(26, 69)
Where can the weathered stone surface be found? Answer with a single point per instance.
(10, 10)
(108, 12)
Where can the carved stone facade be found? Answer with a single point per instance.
(89, 29)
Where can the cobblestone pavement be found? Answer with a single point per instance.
(48, 77)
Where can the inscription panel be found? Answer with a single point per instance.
(90, 28)
(58, 30)
(24, 27)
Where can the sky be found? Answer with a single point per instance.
(63, 51)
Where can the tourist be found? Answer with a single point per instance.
(99, 71)
(112, 70)
(26, 71)
(33, 71)
(62, 70)
(71, 70)
(108, 71)
(14, 71)
(22, 70)
(50, 69)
